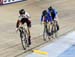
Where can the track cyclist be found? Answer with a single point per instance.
(24, 17)
(54, 14)
(46, 19)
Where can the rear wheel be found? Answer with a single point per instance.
(26, 37)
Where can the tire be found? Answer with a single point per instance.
(24, 37)
(54, 30)
(23, 42)
(44, 34)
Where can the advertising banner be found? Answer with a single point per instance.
(10, 1)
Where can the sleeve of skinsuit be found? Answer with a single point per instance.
(17, 24)
(55, 11)
(18, 21)
(41, 18)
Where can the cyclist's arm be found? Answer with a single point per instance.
(17, 23)
(56, 13)
(27, 15)
(41, 18)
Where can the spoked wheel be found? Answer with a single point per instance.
(49, 32)
(54, 31)
(24, 39)
(23, 43)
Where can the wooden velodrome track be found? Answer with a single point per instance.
(10, 45)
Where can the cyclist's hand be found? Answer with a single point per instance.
(16, 29)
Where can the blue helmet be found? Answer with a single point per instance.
(50, 8)
(44, 13)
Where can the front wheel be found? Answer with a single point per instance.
(45, 33)
(24, 39)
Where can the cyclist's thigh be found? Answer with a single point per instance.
(55, 22)
(28, 23)
(45, 24)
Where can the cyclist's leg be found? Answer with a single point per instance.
(28, 31)
(57, 25)
(20, 34)
(55, 28)
(46, 26)
(49, 26)
(57, 22)
(29, 34)
(52, 29)
(45, 32)
(29, 37)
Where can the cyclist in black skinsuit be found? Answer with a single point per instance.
(53, 12)
(24, 18)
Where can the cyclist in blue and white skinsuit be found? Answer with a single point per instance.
(46, 19)
(53, 12)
